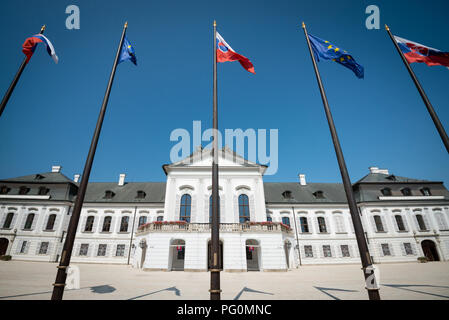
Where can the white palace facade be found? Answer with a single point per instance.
(263, 226)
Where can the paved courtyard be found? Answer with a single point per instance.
(32, 280)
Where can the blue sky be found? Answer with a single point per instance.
(381, 120)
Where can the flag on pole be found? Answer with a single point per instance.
(127, 52)
(226, 53)
(415, 52)
(31, 43)
(326, 50)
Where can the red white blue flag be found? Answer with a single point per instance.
(415, 52)
(31, 43)
(226, 53)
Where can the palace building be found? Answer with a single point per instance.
(263, 226)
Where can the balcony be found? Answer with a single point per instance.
(180, 226)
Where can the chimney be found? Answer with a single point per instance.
(56, 169)
(76, 178)
(302, 179)
(377, 170)
(121, 179)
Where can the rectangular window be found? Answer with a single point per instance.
(44, 247)
(327, 251)
(101, 250)
(308, 252)
(83, 249)
(23, 248)
(345, 250)
(408, 248)
(120, 250)
(386, 249)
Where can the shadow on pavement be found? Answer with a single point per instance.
(324, 290)
(174, 289)
(245, 289)
(405, 287)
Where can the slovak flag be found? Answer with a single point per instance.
(226, 53)
(31, 43)
(415, 52)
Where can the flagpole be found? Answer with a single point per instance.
(215, 291)
(15, 80)
(426, 100)
(58, 286)
(368, 272)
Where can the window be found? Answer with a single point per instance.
(408, 248)
(43, 191)
(8, 221)
(287, 194)
(426, 192)
(304, 225)
(83, 249)
(107, 224)
(160, 218)
(124, 224)
(89, 224)
(108, 194)
(322, 225)
(339, 224)
(406, 192)
(243, 208)
(4, 190)
(120, 250)
(142, 220)
(29, 222)
(43, 248)
(23, 190)
(378, 223)
(421, 223)
(392, 177)
(386, 192)
(102, 250)
(51, 222)
(327, 251)
(386, 249)
(308, 252)
(286, 221)
(399, 222)
(345, 250)
(269, 218)
(441, 221)
(38, 177)
(319, 194)
(141, 194)
(210, 208)
(186, 208)
(23, 247)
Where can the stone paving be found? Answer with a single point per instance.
(32, 281)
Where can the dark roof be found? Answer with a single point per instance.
(154, 192)
(46, 177)
(333, 192)
(387, 178)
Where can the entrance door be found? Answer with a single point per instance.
(209, 255)
(3, 246)
(252, 258)
(287, 246)
(178, 252)
(430, 250)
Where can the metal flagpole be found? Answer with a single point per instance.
(368, 270)
(58, 286)
(432, 112)
(15, 80)
(215, 238)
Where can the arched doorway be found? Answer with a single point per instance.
(178, 251)
(430, 250)
(252, 255)
(287, 246)
(3, 246)
(209, 255)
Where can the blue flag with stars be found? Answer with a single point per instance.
(328, 51)
(127, 52)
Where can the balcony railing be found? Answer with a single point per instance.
(180, 226)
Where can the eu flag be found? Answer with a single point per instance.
(326, 50)
(127, 52)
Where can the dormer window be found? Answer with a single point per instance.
(38, 177)
(406, 192)
(109, 194)
(141, 194)
(23, 190)
(319, 194)
(287, 194)
(4, 190)
(426, 192)
(43, 191)
(391, 177)
(386, 192)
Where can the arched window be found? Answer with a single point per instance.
(124, 224)
(243, 208)
(322, 225)
(210, 208)
(186, 208)
(29, 221)
(8, 220)
(142, 220)
(269, 218)
(339, 224)
(399, 222)
(386, 192)
(406, 192)
(304, 225)
(421, 223)
(106, 224)
(286, 221)
(23, 190)
(51, 222)
(379, 224)
(160, 218)
(43, 191)
(89, 223)
(426, 192)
